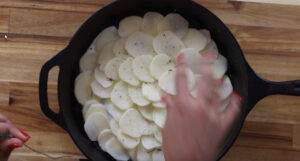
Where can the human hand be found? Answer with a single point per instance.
(10, 138)
(195, 128)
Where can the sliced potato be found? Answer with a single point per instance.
(103, 137)
(151, 21)
(195, 39)
(159, 116)
(94, 124)
(116, 150)
(157, 134)
(127, 141)
(87, 105)
(167, 43)
(105, 55)
(226, 88)
(102, 79)
(147, 112)
(120, 97)
(114, 126)
(137, 97)
(88, 61)
(129, 25)
(114, 112)
(107, 35)
(139, 43)
(160, 64)
(126, 73)
(151, 91)
(175, 23)
(149, 142)
(111, 69)
(100, 91)
(82, 87)
(94, 108)
(119, 47)
(142, 154)
(158, 155)
(159, 104)
(140, 66)
(149, 130)
(167, 81)
(132, 153)
(132, 123)
(211, 47)
(206, 33)
(219, 67)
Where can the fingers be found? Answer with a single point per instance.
(3, 118)
(181, 78)
(232, 110)
(13, 131)
(10, 144)
(167, 99)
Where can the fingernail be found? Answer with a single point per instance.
(13, 146)
(180, 58)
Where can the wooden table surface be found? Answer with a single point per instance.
(32, 31)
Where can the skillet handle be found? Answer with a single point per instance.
(43, 89)
(284, 88)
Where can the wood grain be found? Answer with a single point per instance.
(36, 30)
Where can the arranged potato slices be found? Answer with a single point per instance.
(82, 87)
(151, 21)
(160, 64)
(139, 43)
(120, 97)
(137, 97)
(94, 124)
(195, 39)
(126, 70)
(132, 123)
(140, 66)
(167, 43)
(175, 23)
(129, 25)
(107, 35)
(126, 73)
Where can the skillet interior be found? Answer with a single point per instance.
(197, 16)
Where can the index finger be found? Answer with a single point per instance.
(181, 78)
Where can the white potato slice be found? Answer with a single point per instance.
(126, 73)
(211, 47)
(167, 81)
(102, 79)
(120, 97)
(158, 135)
(206, 33)
(146, 112)
(107, 35)
(105, 55)
(149, 142)
(195, 39)
(167, 43)
(140, 66)
(119, 47)
(111, 69)
(132, 153)
(142, 154)
(175, 23)
(159, 116)
(87, 105)
(151, 91)
(219, 67)
(114, 126)
(129, 25)
(94, 108)
(137, 97)
(150, 129)
(192, 59)
(151, 21)
(158, 155)
(94, 124)
(159, 104)
(132, 123)
(88, 61)
(160, 64)
(100, 91)
(82, 89)
(103, 137)
(139, 44)
(115, 112)
(116, 150)
(226, 88)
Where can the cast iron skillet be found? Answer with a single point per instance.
(244, 79)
